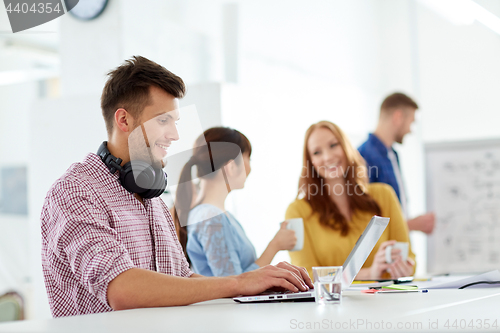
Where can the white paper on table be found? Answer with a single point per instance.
(454, 282)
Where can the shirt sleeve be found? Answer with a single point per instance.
(253, 266)
(398, 228)
(307, 256)
(214, 236)
(78, 233)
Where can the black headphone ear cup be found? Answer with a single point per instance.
(135, 176)
(138, 177)
(159, 186)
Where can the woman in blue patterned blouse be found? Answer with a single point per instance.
(213, 240)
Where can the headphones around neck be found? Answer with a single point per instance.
(135, 176)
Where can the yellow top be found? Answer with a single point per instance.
(324, 246)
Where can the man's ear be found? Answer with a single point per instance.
(397, 117)
(123, 120)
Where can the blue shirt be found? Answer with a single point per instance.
(217, 244)
(379, 165)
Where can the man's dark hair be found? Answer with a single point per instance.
(128, 87)
(395, 101)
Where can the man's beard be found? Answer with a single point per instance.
(399, 139)
(140, 150)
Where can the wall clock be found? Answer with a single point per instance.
(86, 9)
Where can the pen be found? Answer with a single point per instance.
(402, 291)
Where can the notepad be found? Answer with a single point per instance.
(400, 287)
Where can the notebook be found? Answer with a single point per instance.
(351, 267)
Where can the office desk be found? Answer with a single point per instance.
(410, 312)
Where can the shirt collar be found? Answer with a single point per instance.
(378, 144)
(95, 160)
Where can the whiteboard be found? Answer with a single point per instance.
(463, 189)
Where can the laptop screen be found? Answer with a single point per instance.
(362, 249)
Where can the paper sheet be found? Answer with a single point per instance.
(455, 282)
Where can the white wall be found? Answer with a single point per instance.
(15, 263)
(459, 74)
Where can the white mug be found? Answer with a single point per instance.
(297, 225)
(403, 246)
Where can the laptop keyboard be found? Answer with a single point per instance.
(270, 292)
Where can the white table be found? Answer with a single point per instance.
(409, 312)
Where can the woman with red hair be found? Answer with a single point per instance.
(337, 203)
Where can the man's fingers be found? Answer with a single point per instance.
(283, 283)
(306, 277)
(291, 277)
(287, 266)
(302, 272)
(297, 272)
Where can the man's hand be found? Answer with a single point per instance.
(283, 275)
(424, 223)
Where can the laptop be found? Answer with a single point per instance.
(350, 269)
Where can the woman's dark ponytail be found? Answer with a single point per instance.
(183, 201)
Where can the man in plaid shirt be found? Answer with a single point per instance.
(105, 248)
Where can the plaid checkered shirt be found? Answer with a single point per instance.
(93, 230)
